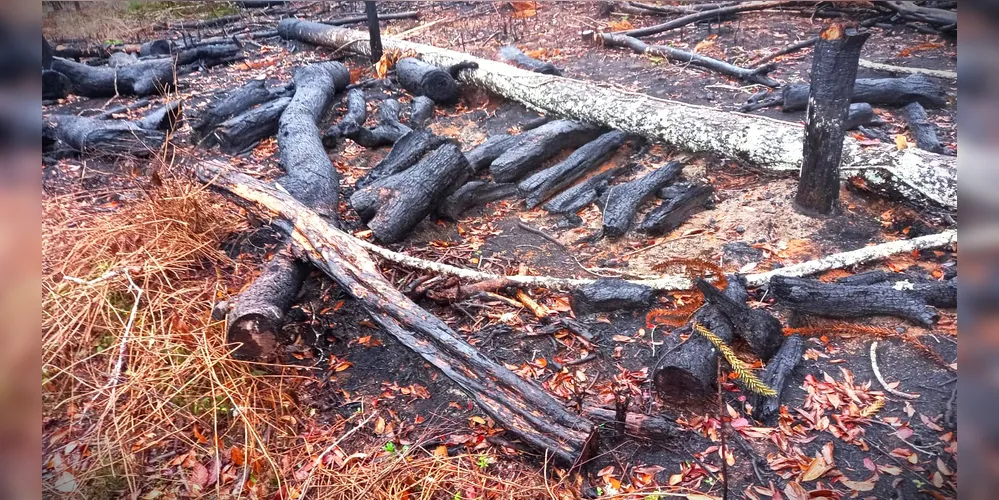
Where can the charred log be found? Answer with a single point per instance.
(421, 78)
(922, 129)
(758, 328)
(775, 376)
(253, 93)
(473, 194)
(55, 85)
(242, 132)
(610, 294)
(882, 91)
(654, 427)
(861, 114)
(935, 293)
(406, 152)
(159, 47)
(142, 78)
(675, 211)
(351, 126)
(393, 206)
(582, 194)
(92, 136)
(420, 112)
(538, 145)
(514, 55)
(701, 16)
(542, 185)
(410, 14)
(850, 301)
(165, 118)
(481, 156)
(623, 200)
(939, 17)
(256, 317)
(48, 52)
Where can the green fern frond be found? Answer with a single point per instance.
(743, 372)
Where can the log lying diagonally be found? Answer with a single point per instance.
(523, 408)
(771, 145)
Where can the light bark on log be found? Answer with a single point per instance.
(774, 146)
(904, 70)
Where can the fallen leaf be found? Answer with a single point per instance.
(901, 142)
(816, 469)
(859, 485)
(522, 10)
(622, 25)
(66, 483)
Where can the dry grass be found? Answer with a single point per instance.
(102, 21)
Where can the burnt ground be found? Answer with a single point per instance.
(898, 452)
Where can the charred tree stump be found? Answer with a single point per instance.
(55, 85)
(141, 79)
(923, 130)
(834, 69)
(393, 206)
(752, 75)
(775, 376)
(582, 194)
(406, 152)
(97, 137)
(610, 294)
(514, 55)
(758, 328)
(538, 145)
(521, 407)
(691, 370)
(253, 93)
(420, 112)
(258, 313)
(481, 156)
(623, 200)
(835, 300)
(242, 132)
(881, 91)
(421, 78)
(473, 194)
(676, 210)
(542, 185)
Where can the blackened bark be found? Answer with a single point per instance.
(420, 112)
(48, 52)
(514, 55)
(481, 156)
(351, 126)
(654, 427)
(850, 301)
(374, 31)
(406, 152)
(922, 129)
(672, 213)
(142, 78)
(610, 294)
(243, 131)
(758, 328)
(623, 200)
(700, 16)
(55, 85)
(421, 78)
(935, 293)
(834, 69)
(256, 316)
(166, 117)
(536, 146)
(473, 194)
(542, 185)
(410, 14)
(253, 93)
(861, 114)
(393, 206)
(582, 194)
(159, 47)
(879, 91)
(93, 136)
(775, 375)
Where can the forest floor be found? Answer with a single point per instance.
(351, 413)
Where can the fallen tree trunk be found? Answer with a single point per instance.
(258, 312)
(903, 70)
(409, 14)
(55, 85)
(406, 152)
(934, 293)
(93, 136)
(850, 301)
(473, 194)
(774, 146)
(582, 194)
(754, 75)
(701, 16)
(654, 427)
(421, 78)
(922, 129)
(253, 93)
(393, 206)
(514, 55)
(536, 146)
(242, 132)
(673, 212)
(912, 12)
(141, 79)
(519, 406)
(758, 328)
(623, 200)
(610, 294)
(775, 376)
(884, 91)
(481, 156)
(540, 186)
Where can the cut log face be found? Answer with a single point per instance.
(421, 78)
(692, 368)
(394, 205)
(542, 185)
(922, 129)
(257, 313)
(473, 194)
(610, 294)
(406, 152)
(758, 328)
(582, 194)
(673, 212)
(850, 301)
(481, 156)
(538, 145)
(242, 132)
(878, 91)
(775, 375)
(253, 93)
(514, 55)
(623, 200)
(93, 136)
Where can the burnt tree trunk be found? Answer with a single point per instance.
(935, 293)
(536, 146)
(473, 194)
(406, 152)
(582, 194)
(879, 91)
(93, 136)
(242, 132)
(421, 78)
(521, 407)
(514, 55)
(258, 313)
(55, 85)
(610, 294)
(623, 200)
(923, 130)
(701, 16)
(775, 376)
(691, 369)
(834, 69)
(351, 126)
(253, 93)
(835, 300)
(142, 78)
(758, 328)
(675, 211)
(542, 185)
(421, 110)
(393, 206)
(481, 156)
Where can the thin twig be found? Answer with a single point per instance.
(318, 462)
(877, 374)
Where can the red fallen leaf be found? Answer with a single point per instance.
(867, 485)
(904, 433)
(198, 477)
(199, 436)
